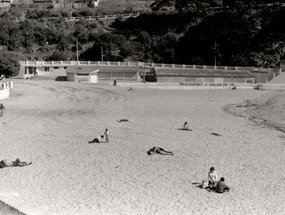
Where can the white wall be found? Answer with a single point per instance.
(4, 94)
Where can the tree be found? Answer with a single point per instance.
(58, 56)
(28, 35)
(81, 31)
(180, 5)
(159, 4)
(8, 66)
(4, 31)
(16, 38)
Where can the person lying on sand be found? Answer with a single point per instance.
(97, 139)
(159, 150)
(221, 186)
(123, 120)
(17, 162)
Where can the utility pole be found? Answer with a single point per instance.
(77, 50)
(215, 58)
(102, 54)
(138, 8)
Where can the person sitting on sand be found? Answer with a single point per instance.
(123, 120)
(115, 83)
(185, 126)
(159, 150)
(17, 162)
(213, 177)
(221, 186)
(97, 139)
(106, 133)
(130, 89)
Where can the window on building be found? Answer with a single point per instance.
(46, 69)
(29, 70)
(56, 67)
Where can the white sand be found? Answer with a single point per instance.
(50, 124)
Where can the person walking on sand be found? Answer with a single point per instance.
(2, 108)
(106, 133)
(213, 177)
(97, 139)
(221, 186)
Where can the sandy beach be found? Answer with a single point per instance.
(50, 123)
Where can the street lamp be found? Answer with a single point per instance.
(215, 57)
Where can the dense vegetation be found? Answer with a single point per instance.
(177, 31)
(8, 66)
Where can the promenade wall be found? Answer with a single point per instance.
(47, 68)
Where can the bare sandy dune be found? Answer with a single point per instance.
(50, 123)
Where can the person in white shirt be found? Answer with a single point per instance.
(106, 133)
(213, 177)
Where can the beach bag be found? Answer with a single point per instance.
(205, 184)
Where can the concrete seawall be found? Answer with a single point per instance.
(6, 209)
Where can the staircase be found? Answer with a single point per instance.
(280, 79)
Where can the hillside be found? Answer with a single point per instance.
(233, 36)
(103, 7)
(125, 5)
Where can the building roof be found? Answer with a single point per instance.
(174, 72)
(43, 1)
(90, 69)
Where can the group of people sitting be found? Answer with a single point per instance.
(214, 184)
(17, 162)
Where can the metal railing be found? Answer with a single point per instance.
(138, 64)
(88, 18)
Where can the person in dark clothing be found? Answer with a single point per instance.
(97, 140)
(123, 120)
(2, 108)
(221, 186)
(159, 150)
